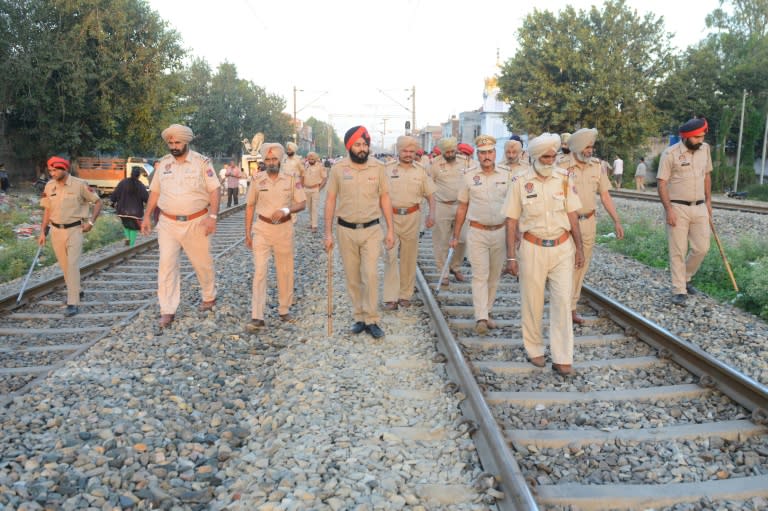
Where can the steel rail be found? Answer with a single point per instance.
(8, 303)
(731, 205)
(492, 446)
(739, 387)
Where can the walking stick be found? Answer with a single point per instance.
(722, 254)
(330, 291)
(444, 273)
(29, 273)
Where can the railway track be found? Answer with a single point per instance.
(649, 421)
(36, 338)
(746, 206)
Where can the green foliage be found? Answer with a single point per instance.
(757, 192)
(16, 258)
(596, 68)
(320, 132)
(106, 230)
(646, 241)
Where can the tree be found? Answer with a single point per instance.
(588, 69)
(320, 131)
(83, 76)
(708, 81)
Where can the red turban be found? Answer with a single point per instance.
(465, 149)
(58, 163)
(353, 133)
(694, 128)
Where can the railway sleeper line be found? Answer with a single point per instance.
(649, 421)
(36, 338)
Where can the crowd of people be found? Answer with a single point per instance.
(531, 215)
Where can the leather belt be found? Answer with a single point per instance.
(687, 203)
(276, 222)
(364, 225)
(66, 226)
(588, 215)
(449, 202)
(478, 225)
(185, 218)
(311, 187)
(547, 243)
(406, 211)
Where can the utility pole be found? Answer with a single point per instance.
(295, 122)
(738, 149)
(330, 141)
(413, 109)
(383, 134)
(765, 139)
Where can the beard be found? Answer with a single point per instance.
(180, 152)
(272, 169)
(690, 145)
(450, 158)
(513, 161)
(543, 170)
(566, 150)
(360, 157)
(581, 157)
(290, 153)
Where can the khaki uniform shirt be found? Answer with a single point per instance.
(69, 200)
(685, 170)
(448, 178)
(358, 190)
(542, 207)
(184, 187)
(314, 174)
(485, 194)
(268, 196)
(293, 166)
(590, 179)
(408, 184)
(514, 169)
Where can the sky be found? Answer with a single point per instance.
(359, 62)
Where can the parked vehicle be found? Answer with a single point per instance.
(105, 173)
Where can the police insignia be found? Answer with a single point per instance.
(476, 179)
(394, 171)
(528, 187)
(574, 189)
(210, 173)
(298, 185)
(167, 166)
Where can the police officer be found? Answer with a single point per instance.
(293, 165)
(564, 149)
(314, 179)
(685, 189)
(360, 186)
(186, 190)
(588, 176)
(272, 198)
(447, 172)
(67, 200)
(408, 185)
(513, 163)
(542, 204)
(480, 200)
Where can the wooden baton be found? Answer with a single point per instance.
(722, 254)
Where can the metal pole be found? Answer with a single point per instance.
(295, 137)
(765, 139)
(738, 150)
(330, 144)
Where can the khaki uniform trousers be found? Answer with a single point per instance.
(588, 228)
(400, 278)
(537, 265)
(442, 232)
(692, 226)
(172, 236)
(486, 251)
(68, 245)
(360, 250)
(313, 205)
(267, 239)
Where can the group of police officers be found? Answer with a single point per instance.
(533, 217)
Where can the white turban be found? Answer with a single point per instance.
(404, 141)
(581, 139)
(447, 144)
(292, 147)
(179, 132)
(542, 144)
(273, 148)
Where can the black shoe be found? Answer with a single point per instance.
(82, 295)
(374, 330)
(679, 299)
(71, 311)
(691, 290)
(358, 327)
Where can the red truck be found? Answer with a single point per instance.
(104, 173)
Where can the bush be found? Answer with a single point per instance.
(16, 258)
(107, 229)
(757, 192)
(754, 294)
(643, 240)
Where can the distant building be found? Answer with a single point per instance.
(428, 137)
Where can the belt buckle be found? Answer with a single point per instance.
(359, 226)
(181, 218)
(402, 211)
(548, 243)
